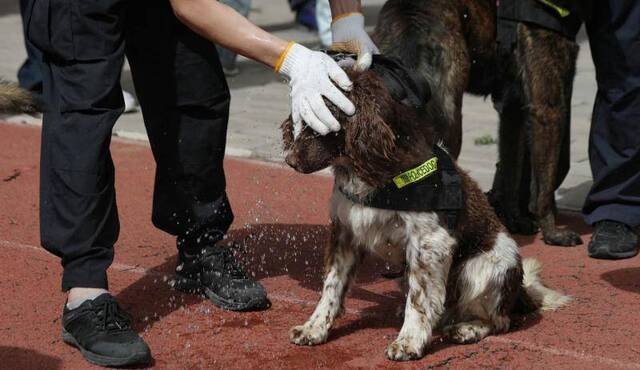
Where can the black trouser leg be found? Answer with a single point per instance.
(185, 103)
(30, 73)
(83, 54)
(614, 141)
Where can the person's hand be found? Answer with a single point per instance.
(312, 75)
(349, 36)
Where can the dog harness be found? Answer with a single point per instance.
(553, 15)
(432, 186)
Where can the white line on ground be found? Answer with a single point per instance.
(283, 298)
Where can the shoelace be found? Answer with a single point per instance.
(111, 317)
(229, 263)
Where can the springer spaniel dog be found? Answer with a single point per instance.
(463, 271)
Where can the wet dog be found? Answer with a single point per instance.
(453, 43)
(465, 277)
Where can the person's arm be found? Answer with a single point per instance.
(339, 7)
(223, 25)
(347, 31)
(311, 74)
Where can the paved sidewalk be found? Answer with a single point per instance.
(260, 102)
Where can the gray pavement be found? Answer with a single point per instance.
(260, 102)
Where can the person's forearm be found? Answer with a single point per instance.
(224, 26)
(339, 7)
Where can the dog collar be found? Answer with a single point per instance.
(433, 186)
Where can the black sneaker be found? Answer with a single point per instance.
(215, 273)
(101, 330)
(613, 240)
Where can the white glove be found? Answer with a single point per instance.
(310, 76)
(349, 36)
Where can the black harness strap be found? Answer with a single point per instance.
(404, 84)
(426, 191)
(512, 12)
(439, 192)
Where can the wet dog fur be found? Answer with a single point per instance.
(466, 282)
(453, 44)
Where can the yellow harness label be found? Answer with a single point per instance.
(560, 10)
(416, 174)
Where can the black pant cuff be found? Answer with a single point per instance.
(77, 279)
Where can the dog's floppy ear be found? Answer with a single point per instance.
(370, 142)
(287, 133)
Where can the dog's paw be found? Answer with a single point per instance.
(404, 349)
(400, 311)
(465, 333)
(565, 238)
(305, 335)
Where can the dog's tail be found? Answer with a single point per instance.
(14, 99)
(534, 295)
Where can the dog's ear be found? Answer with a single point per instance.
(287, 133)
(370, 142)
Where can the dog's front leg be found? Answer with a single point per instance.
(341, 261)
(428, 262)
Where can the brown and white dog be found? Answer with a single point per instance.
(454, 43)
(467, 281)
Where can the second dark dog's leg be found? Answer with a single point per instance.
(547, 63)
(510, 192)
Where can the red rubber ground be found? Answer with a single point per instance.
(283, 215)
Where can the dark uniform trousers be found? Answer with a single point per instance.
(185, 104)
(614, 141)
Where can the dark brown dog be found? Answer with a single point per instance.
(466, 280)
(453, 44)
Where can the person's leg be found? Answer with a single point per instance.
(323, 19)
(614, 142)
(305, 13)
(78, 213)
(185, 103)
(30, 73)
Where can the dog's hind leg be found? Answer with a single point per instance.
(429, 258)
(468, 332)
(341, 261)
(488, 285)
(548, 67)
(484, 316)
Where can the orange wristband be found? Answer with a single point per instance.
(344, 15)
(282, 56)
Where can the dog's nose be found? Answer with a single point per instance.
(292, 160)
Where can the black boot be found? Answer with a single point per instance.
(214, 272)
(102, 332)
(613, 240)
